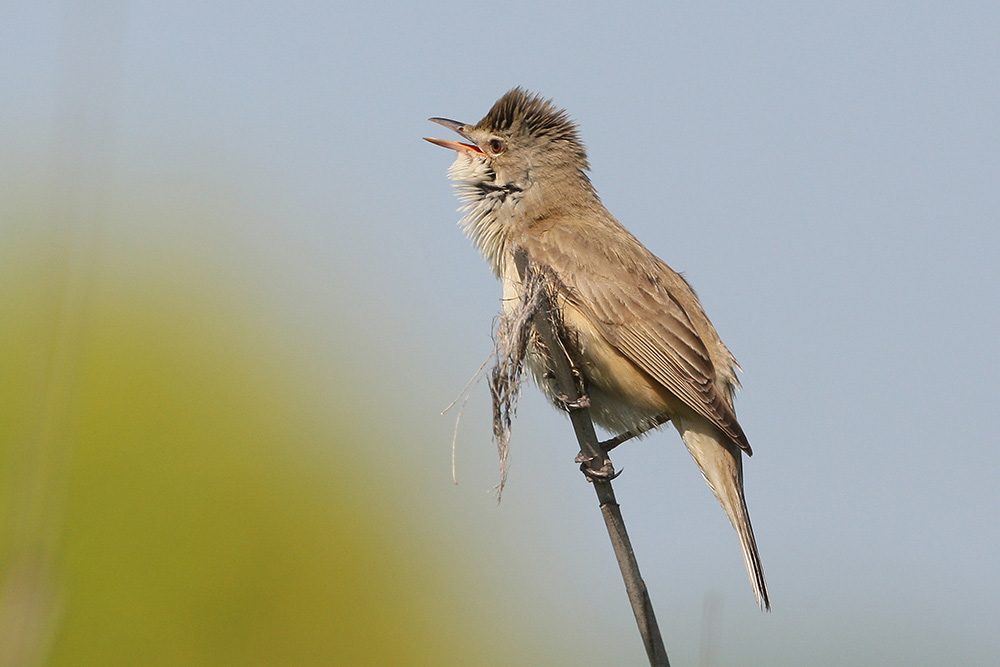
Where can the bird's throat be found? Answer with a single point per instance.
(491, 209)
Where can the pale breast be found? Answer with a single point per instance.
(623, 397)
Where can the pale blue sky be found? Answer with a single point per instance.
(826, 176)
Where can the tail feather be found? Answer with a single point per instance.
(721, 464)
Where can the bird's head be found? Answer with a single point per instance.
(522, 162)
(524, 142)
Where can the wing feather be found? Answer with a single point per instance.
(629, 294)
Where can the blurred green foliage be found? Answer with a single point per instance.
(165, 500)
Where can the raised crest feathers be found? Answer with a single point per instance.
(536, 116)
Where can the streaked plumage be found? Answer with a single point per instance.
(647, 349)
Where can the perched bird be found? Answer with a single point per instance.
(647, 351)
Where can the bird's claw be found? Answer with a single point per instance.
(605, 473)
(570, 404)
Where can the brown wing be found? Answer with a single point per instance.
(635, 300)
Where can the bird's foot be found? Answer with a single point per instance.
(567, 403)
(605, 473)
(573, 404)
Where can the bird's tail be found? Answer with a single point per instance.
(721, 463)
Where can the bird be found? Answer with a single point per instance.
(647, 351)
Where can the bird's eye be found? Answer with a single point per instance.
(496, 146)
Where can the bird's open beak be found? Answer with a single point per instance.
(454, 145)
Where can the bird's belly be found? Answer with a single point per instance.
(623, 397)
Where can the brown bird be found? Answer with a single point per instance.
(647, 351)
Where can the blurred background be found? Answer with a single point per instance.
(234, 302)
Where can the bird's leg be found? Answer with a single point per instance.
(611, 443)
(581, 385)
(605, 473)
(568, 404)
